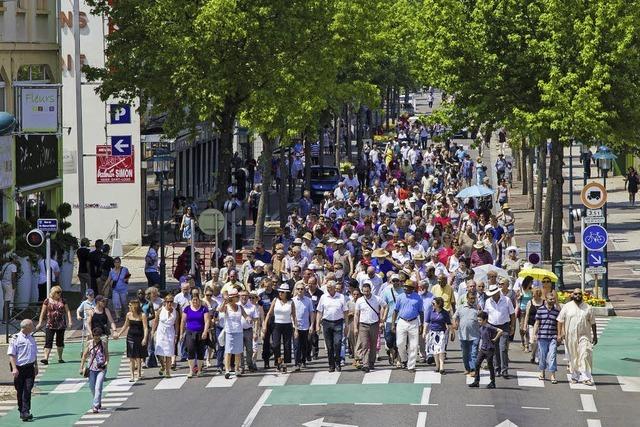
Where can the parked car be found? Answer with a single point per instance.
(323, 178)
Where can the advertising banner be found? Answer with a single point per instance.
(39, 109)
(36, 159)
(114, 169)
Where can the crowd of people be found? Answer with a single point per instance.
(393, 263)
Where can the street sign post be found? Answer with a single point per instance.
(594, 216)
(212, 222)
(596, 270)
(120, 114)
(121, 145)
(594, 237)
(47, 225)
(593, 195)
(534, 249)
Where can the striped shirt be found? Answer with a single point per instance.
(548, 325)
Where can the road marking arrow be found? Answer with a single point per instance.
(321, 423)
(120, 145)
(506, 423)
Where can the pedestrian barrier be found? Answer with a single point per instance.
(14, 313)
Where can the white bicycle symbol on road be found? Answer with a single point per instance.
(594, 237)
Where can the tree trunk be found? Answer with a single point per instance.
(387, 111)
(537, 211)
(516, 160)
(547, 217)
(522, 170)
(557, 181)
(284, 187)
(267, 153)
(347, 133)
(530, 153)
(225, 126)
(321, 146)
(360, 132)
(336, 154)
(307, 162)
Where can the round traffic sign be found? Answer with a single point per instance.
(211, 221)
(594, 237)
(593, 195)
(35, 238)
(534, 258)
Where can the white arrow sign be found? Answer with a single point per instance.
(506, 423)
(321, 423)
(120, 145)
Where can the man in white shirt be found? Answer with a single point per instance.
(368, 320)
(249, 330)
(501, 315)
(331, 312)
(340, 193)
(351, 181)
(9, 278)
(375, 282)
(440, 268)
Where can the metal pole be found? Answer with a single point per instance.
(571, 238)
(193, 246)
(79, 127)
(163, 265)
(605, 276)
(582, 255)
(215, 251)
(233, 233)
(48, 262)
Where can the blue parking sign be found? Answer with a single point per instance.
(120, 114)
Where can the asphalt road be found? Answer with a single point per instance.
(385, 397)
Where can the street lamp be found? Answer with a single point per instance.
(162, 164)
(571, 237)
(605, 159)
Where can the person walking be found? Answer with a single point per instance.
(249, 331)
(407, 320)
(83, 265)
(530, 320)
(188, 224)
(545, 329)
(101, 318)
(23, 352)
(194, 330)
(232, 333)
(631, 182)
(118, 282)
(577, 326)
(285, 327)
(368, 320)
(437, 332)
(135, 324)
(390, 296)
(166, 332)
(305, 319)
(501, 314)
(331, 312)
(83, 312)
(523, 296)
(42, 276)
(58, 315)
(96, 370)
(151, 269)
(466, 323)
(489, 335)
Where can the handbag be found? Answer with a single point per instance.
(85, 371)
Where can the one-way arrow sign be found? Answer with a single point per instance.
(121, 145)
(595, 259)
(321, 423)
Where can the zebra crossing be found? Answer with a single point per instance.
(601, 325)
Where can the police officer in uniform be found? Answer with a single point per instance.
(22, 354)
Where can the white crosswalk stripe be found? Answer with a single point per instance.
(529, 379)
(377, 377)
(220, 381)
(580, 386)
(427, 377)
(69, 385)
(484, 377)
(631, 384)
(173, 383)
(325, 377)
(274, 380)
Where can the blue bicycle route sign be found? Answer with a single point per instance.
(594, 237)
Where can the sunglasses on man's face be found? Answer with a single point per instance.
(208, 295)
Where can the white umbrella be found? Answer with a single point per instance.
(481, 272)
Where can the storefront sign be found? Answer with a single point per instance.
(6, 162)
(114, 169)
(36, 159)
(39, 109)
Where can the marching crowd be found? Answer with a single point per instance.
(392, 262)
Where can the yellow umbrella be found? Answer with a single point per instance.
(538, 274)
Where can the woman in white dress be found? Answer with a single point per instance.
(165, 332)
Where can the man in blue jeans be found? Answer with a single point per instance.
(389, 296)
(466, 323)
(546, 330)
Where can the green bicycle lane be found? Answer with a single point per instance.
(53, 409)
(618, 349)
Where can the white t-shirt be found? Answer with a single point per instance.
(251, 311)
(7, 271)
(369, 309)
(55, 269)
(332, 307)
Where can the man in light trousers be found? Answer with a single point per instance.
(368, 321)
(407, 320)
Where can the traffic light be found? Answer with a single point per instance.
(35, 238)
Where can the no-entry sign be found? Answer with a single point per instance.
(114, 169)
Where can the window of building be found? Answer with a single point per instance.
(3, 102)
(39, 73)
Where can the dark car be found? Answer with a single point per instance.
(323, 178)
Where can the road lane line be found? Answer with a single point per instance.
(529, 379)
(368, 403)
(427, 377)
(422, 419)
(629, 383)
(479, 405)
(173, 383)
(114, 399)
(119, 384)
(426, 395)
(588, 403)
(274, 380)
(594, 423)
(119, 393)
(112, 404)
(70, 385)
(220, 381)
(325, 377)
(312, 404)
(89, 422)
(256, 408)
(95, 416)
(377, 377)
(536, 407)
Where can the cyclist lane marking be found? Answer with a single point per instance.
(618, 349)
